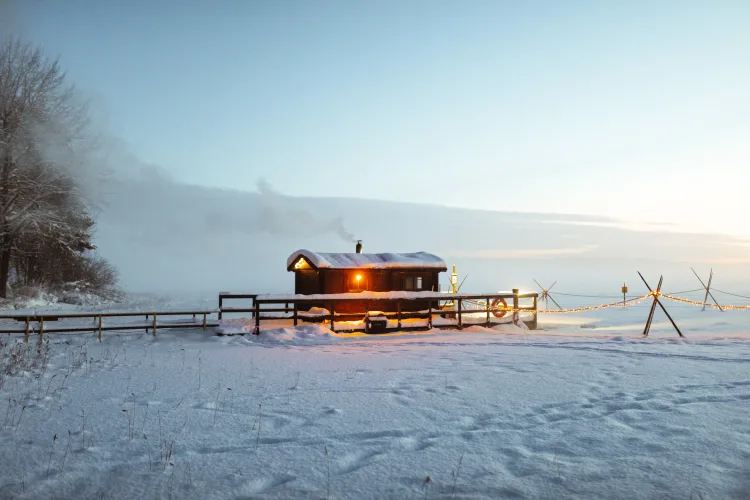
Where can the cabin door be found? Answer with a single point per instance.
(306, 282)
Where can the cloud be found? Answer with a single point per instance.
(542, 253)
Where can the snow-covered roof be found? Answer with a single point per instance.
(417, 260)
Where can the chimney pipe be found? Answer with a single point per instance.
(359, 246)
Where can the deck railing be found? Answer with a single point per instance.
(466, 310)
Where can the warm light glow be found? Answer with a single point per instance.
(359, 277)
(299, 263)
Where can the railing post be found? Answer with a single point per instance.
(41, 330)
(256, 309)
(398, 308)
(221, 302)
(294, 314)
(154, 332)
(429, 315)
(516, 315)
(488, 312)
(535, 321)
(367, 318)
(100, 328)
(460, 319)
(333, 314)
(204, 321)
(256, 315)
(26, 336)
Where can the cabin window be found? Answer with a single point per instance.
(408, 282)
(412, 282)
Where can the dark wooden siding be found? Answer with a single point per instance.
(330, 281)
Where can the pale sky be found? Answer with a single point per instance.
(631, 109)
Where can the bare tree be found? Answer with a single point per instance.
(42, 143)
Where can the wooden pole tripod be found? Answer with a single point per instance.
(546, 295)
(708, 289)
(655, 294)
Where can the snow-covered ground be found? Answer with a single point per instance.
(569, 412)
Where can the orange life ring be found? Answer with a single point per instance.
(502, 312)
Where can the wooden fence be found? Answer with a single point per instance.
(265, 307)
(199, 320)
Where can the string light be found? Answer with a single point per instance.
(701, 304)
(620, 304)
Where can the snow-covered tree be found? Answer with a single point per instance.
(43, 149)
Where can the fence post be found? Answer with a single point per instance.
(294, 313)
(154, 325)
(429, 315)
(100, 328)
(367, 318)
(333, 314)
(535, 321)
(460, 320)
(256, 315)
(26, 337)
(204, 321)
(398, 309)
(221, 301)
(41, 330)
(516, 315)
(488, 312)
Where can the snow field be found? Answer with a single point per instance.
(306, 413)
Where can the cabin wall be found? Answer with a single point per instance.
(330, 281)
(306, 282)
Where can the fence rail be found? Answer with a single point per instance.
(151, 323)
(268, 308)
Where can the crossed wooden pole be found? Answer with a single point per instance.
(546, 295)
(655, 294)
(708, 289)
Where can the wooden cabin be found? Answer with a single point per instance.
(329, 273)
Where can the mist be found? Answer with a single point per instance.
(171, 238)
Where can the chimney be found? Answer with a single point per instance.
(359, 246)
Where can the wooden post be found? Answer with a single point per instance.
(333, 314)
(488, 312)
(294, 313)
(147, 326)
(221, 302)
(26, 337)
(367, 318)
(429, 315)
(41, 329)
(535, 321)
(515, 306)
(398, 313)
(100, 328)
(256, 315)
(204, 321)
(154, 332)
(460, 318)
(256, 309)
